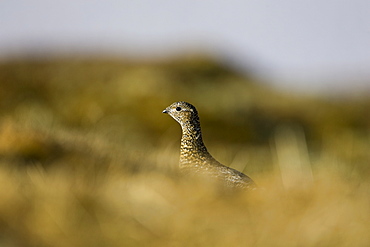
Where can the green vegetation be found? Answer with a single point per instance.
(88, 159)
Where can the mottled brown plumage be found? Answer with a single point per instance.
(194, 157)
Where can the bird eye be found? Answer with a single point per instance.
(178, 108)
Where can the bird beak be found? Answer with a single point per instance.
(164, 111)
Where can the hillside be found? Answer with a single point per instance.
(88, 159)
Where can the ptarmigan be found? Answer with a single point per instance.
(194, 157)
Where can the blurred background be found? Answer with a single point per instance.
(88, 159)
(309, 45)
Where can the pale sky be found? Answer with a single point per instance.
(323, 44)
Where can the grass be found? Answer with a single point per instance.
(87, 158)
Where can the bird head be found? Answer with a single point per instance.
(182, 112)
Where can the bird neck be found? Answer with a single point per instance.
(193, 149)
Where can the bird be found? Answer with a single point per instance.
(194, 156)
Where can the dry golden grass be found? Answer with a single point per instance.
(87, 159)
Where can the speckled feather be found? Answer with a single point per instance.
(194, 157)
